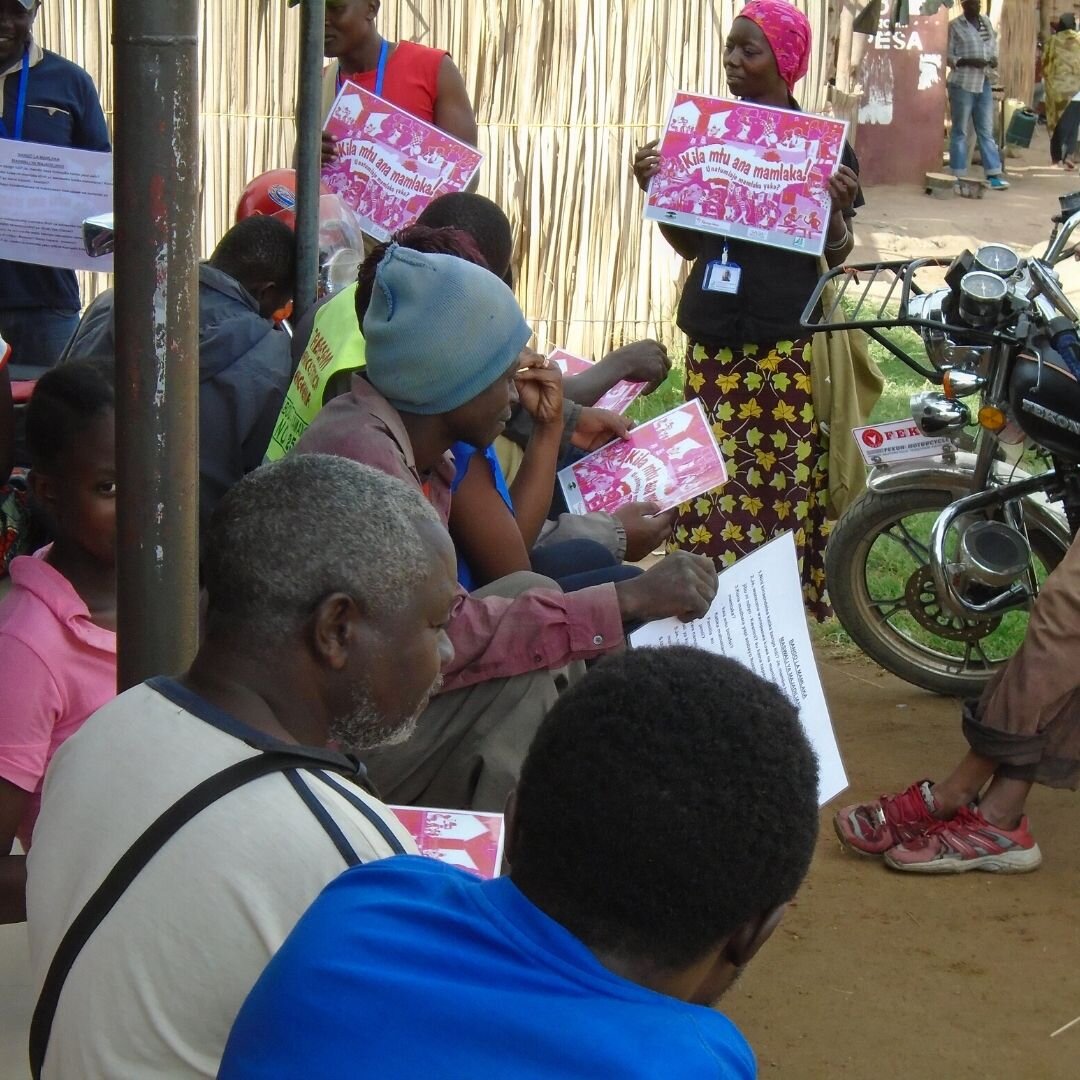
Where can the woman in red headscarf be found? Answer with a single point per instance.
(748, 359)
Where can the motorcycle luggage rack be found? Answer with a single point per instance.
(872, 289)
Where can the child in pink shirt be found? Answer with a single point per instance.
(58, 622)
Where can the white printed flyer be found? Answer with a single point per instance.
(757, 618)
(46, 192)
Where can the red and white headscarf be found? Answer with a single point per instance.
(787, 31)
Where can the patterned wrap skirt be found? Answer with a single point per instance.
(759, 403)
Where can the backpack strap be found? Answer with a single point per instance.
(134, 860)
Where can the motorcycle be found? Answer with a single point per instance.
(932, 570)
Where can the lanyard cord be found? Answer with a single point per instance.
(380, 71)
(20, 107)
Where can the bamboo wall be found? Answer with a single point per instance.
(1018, 33)
(564, 90)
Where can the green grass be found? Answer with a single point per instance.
(666, 396)
(900, 381)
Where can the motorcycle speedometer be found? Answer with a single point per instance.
(982, 295)
(997, 259)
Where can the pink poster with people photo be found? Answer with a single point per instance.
(389, 164)
(668, 461)
(751, 172)
(464, 838)
(617, 400)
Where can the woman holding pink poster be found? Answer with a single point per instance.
(748, 359)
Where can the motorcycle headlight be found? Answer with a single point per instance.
(927, 307)
(936, 415)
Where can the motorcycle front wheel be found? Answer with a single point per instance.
(877, 567)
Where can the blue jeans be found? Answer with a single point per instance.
(578, 564)
(965, 105)
(37, 337)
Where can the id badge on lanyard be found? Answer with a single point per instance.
(722, 275)
(380, 71)
(20, 107)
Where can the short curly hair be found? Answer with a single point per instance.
(668, 797)
(258, 250)
(482, 219)
(66, 400)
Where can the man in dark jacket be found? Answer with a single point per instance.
(244, 362)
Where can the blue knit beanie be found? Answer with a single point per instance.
(439, 331)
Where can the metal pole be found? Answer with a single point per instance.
(309, 121)
(155, 46)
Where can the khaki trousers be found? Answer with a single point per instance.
(1028, 718)
(469, 744)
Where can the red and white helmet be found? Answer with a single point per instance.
(272, 194)
(341, 241)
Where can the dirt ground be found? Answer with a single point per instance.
(903, 222)
(873, 974)
(885, 976)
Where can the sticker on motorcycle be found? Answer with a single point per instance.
(896, 440)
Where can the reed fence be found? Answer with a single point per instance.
(564, 91)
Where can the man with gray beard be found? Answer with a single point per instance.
(318, 632)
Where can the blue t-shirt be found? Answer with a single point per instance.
(463, 454)
(410, 969)
(62, 109)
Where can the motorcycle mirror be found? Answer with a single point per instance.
(98, 235)
(1069, 204)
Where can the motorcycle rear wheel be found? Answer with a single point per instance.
(877, 570)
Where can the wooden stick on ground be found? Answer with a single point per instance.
(1066, 1027)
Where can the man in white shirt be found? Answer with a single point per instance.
(973, 55)
(318, 632)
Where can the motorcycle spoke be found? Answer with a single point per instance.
(912, 545)
(975, 647)
(893, 604)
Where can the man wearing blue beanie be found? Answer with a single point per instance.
(443, 338)
(481, 331)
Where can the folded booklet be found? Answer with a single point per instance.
(751, 172)
(668, 461)
(617, 400)
(389, 163)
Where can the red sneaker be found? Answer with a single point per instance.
(873, 828)
(967, 841)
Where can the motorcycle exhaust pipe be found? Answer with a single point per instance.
(1014, 595)
(992, 554)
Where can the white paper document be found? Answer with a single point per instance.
(45, 193)
(757, 618)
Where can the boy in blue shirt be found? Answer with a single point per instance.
(43, 99)
(649, 863)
